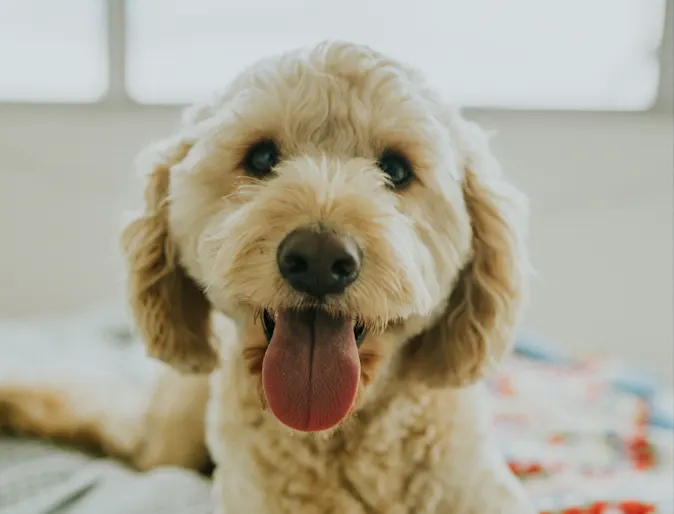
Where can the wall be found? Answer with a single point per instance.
(601, 189)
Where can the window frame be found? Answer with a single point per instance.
(116, 98)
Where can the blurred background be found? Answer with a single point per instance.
(578, 94)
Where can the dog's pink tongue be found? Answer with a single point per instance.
(311, 370)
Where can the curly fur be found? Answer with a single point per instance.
(440, 290)
(171, 313)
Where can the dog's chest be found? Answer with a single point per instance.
(395, 462)
(264, 469)
(284, 475)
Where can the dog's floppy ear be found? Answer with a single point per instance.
(171, 311)
(476, 330)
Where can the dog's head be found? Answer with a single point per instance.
(351, 224)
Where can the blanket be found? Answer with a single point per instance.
(584, 434)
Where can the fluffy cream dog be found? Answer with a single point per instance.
(340, 250)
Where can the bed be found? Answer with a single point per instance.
(584, 434)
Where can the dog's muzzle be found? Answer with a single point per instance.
(311, 368)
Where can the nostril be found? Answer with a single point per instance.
(344, 268)
(295, 264)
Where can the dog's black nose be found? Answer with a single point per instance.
(318, 262)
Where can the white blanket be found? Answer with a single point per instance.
(37, 477)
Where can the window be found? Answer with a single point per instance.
(562, 54)
(514, 54)
(53, 53)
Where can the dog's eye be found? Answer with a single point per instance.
(261, 158)
(396, 167)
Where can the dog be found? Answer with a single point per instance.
(329, 261)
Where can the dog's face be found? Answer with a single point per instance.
(350, 224)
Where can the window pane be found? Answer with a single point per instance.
(52, 51)
(570, 54)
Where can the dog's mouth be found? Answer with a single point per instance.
(311, 368)
(269, 324)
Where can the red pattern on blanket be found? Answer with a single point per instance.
(580, 440)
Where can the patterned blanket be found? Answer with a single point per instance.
(585, 435)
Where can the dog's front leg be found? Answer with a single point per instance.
(486, 487)
(478, 479)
